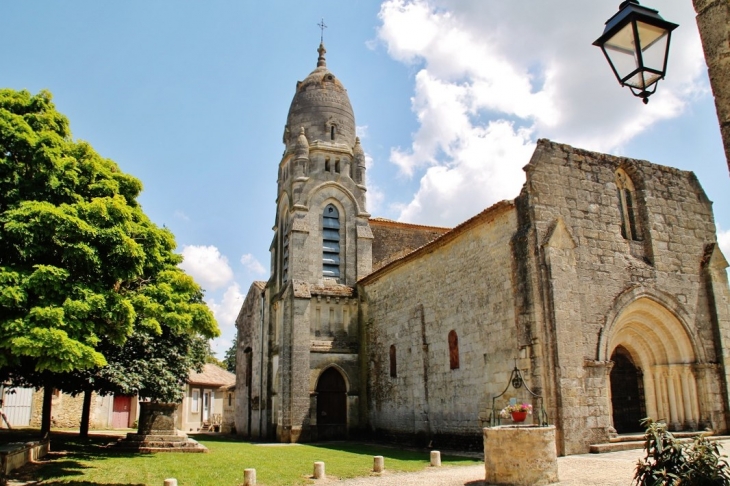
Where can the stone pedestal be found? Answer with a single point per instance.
(157, 432)
(156, 418)
(520, 455)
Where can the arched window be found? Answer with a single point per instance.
(630, 227)
(332, 132)
(453, 350)
(331, 242)
(393, 364)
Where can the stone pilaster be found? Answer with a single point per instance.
(714, 265)
(565, 315)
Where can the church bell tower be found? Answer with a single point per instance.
(322, 245)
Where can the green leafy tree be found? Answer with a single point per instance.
(80, 263)
(229, 360)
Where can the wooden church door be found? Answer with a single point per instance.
(331, 405)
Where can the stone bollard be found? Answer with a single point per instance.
(378, 464)
(249, 477)
(436, 458)
(319, 470)
(170, 482)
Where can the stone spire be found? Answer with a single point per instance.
(321, 62)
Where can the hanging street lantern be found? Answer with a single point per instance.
(636, 45)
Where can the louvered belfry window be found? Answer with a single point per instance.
(331, 242)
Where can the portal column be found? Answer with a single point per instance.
(673, 424)
(690, 420)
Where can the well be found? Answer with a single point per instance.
(518, 455)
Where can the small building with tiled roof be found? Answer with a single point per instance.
(209, 400)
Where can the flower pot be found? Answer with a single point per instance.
(519, 416)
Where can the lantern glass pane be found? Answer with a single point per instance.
(642, 80)
(621, 52)
(653, 45)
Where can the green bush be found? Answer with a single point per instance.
(672, 463)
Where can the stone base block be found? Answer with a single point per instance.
(160, 443)
(520, 455)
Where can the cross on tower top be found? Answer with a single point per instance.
(322, 26)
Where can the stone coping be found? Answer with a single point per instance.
(14, 455)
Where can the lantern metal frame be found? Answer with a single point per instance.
(631, 12)
(516, 381)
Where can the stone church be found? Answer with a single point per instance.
(602, 282)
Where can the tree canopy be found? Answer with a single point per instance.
(82, 268)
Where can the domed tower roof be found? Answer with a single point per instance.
(322, 107)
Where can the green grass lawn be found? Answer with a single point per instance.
(76, 462)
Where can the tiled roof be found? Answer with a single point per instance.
(212, 375)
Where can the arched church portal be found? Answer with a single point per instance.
(653, 374)
(331, 405)
(627, 393)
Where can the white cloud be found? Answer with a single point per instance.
(723, 239)
(181, 215)
(227, 309)
(219, 346)
(252, 264)
(362, 131)
(207, 266)
(492, 77)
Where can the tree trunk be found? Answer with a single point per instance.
(85, 414)
(46, 418)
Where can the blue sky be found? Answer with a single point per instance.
(449, 99)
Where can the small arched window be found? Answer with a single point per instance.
(230, 399)
(331, 242)
(630, 227)
(453, 350)
(332, 132)
(393, 363)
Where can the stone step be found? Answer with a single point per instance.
(133, 444)
(158, 438)
(640, 437)
(150, 450)
(627, 445)
(159, 443)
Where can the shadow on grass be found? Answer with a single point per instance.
(68, 456)
(87, 483)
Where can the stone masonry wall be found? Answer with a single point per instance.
(460, 283)
(713, 20)
(66, 410)
(393, 240)
(250, 399)
(578, 188)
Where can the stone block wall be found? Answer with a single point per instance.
(66, 410)
(461, 283)
(713, 20)
(393, 240)
(252, 356)
(577, 189)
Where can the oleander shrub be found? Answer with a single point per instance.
(673, 463)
